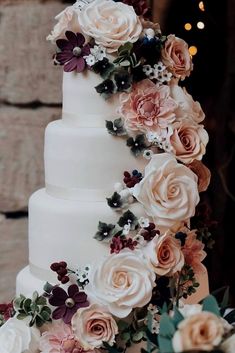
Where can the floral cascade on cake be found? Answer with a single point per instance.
(137, 293)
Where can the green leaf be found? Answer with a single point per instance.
(21, 316)
(210, 304)
(48, 287)
(126, 336)
(167, 331)
(137, 336)
(41, 301)
(178, 317)
(122, 325)
(18, 302)
(164, 309)
(35, 296)
(34, 307)
(26, 305)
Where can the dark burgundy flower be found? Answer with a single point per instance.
(67, 304)
(7, 311)
(72, 52)
(132, 179)
(150, 232)
(119, 242)
(140, 6)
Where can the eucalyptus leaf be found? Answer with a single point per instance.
(210, 304)
(41, 301)
(21, 316)
(178, 317)
(137, 336)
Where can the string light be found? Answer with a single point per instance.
(188, 26)
(200, 25)
(193, 50)
(201, 6)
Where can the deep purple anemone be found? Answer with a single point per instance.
(67, 304)
(72, 52)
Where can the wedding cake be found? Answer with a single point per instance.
(112, 236)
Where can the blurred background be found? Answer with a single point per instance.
(30, 97)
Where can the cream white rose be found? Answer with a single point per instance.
(17, 337)
(94, 325)
(188, 140)
(202, 331)
(67, 21)
(121, 282)
(228, 346)
(110, 23)
(164, 255)
(186, 105)
(168, 191)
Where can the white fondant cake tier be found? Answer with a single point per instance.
(63, 230)
(81, 100)
(88, 161)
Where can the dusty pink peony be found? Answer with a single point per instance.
(164, 255)
(94, 325)
(176, 57)
(203, 174)
(148, 108)
(194, 253)
(186, 105)
(59, 338)
(67, 21)
(188, 140)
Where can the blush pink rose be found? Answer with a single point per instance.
(203, 174)
(67, 21)
(186, 105)
(94, 325)
(168, 191)
(202, 331)
(110, 23)
(164, 255)
(176, 57)
(59, 338)
(188, 140)
(194, 253)
(148, 108)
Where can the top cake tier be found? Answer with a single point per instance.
(82, 106)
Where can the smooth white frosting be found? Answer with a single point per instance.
(88, 159)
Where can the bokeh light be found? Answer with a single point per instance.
(193, 50)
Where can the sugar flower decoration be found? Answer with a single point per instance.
(148, 108)
(67, 303)
(72, 52)
(121, 282)
(110, 23)
(168, 191)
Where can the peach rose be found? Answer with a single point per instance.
(164, 255)
(193, 252)
(168, 191)
(121, 282)
(200, 331)
(110, 23)
(67, 21)
(148, 108)
(94, 325)
(188, 140)
(186, 105)
(176, 57)
(203, 174)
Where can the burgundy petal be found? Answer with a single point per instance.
(58, 297)
(72, 38)
(69, 314)
(64, 57)
(83, 305)
(63, 44)
(80, 297)
(72, 290)
(71, 65)
(58, 313)
(86, 50)
(80, 39)
(81, 64)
